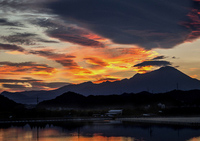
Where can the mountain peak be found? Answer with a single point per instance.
(167, 68)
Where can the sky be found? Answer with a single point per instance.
(46, 44)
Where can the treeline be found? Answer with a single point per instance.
(174, 98)
(70, 104)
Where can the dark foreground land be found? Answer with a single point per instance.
(134, 106)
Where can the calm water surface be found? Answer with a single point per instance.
(96, 131)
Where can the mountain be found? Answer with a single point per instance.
(9, 108)
(175, 98)
(159, 81)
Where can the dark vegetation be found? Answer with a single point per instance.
(174, 103)
(9, 108)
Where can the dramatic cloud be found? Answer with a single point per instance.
(25, 39)
(68, 33)
(17, 80)
(63, 59)
(150, 24)
(153, 63)
(28, 83)
(25, 67)
(13, 86)
(11, 47)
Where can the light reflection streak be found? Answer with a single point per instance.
(37, 134)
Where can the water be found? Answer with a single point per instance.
(96, 131)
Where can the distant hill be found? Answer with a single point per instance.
(7, 104)
(162, 80)
(8, 107)
(74, 100)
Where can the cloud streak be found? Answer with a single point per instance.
(28, 83)
(25, 39)
(96, 61)
(11, 47)
(69, 33)
(63, 59)
(159, 57)
(24, 68)
(153, 63)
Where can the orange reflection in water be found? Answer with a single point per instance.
(194, 139)
(17, 134)
(93, 138)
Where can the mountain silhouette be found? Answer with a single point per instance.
(73, 100)
(159, 81)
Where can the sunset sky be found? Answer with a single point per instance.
(46, 44)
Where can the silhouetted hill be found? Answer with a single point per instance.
(7, 104)
(69, 99)
(73, 100)
(162, 80)
(9, 108)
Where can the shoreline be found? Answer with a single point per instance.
(186, 121)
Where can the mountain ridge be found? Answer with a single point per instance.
(158, 81)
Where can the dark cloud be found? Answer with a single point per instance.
(68, 33)
(76, 39)
(5, 22)
(28, 81)
(20, 38)
(159, 57)
(16, 6)
(13, 86)
(16, 81)
(51, 54)
(64, 60)
(67, 63)
(11, 47)
(194, 24)
(25, 39)
(153, 63)
(150, 24)
(46, 41)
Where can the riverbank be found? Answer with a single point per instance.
(186, 121)
(191, 121)
(47, 120)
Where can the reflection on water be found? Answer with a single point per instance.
(194, 139)
(80, 131)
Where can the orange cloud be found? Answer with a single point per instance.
(96, 61)
(115, 62)
(9, 68)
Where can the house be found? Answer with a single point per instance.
(114, 113)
